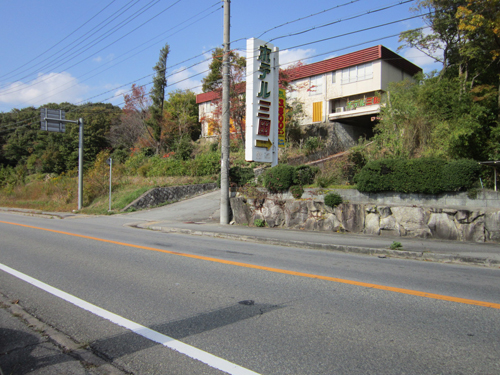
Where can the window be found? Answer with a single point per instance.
(334, 77)
(318, 112)
(357, 73)
(316, 85)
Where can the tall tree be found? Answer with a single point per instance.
(213, 82)
(479, 22)
(182, 112)
(132, 125)
(157, 118)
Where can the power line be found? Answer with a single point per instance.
(317, 41)
(303, 18)
(53, 56)
(62, 40)
(341, 20)
(147, 47)
(122, 25)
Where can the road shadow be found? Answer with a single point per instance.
(128, 343)
(24, 353)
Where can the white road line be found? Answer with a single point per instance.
(190, 351)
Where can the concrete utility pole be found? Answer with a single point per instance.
(224, 170)
(80, 165)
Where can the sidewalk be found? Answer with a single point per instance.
(484, 254)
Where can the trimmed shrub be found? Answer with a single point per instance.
(278, 178)
(424, 175)
(296, 191)
(377, 176)
(333, 200)
(304, 175)
(459, 175)
(420, 176)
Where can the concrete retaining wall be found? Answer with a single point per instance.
(159, 195)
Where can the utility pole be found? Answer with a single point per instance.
(224, 170)
(80, 164)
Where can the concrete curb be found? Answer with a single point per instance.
(416, 255)
(38, 213)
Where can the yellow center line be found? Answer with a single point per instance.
(279, 270)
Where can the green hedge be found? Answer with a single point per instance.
(424, 175)
(283, 176)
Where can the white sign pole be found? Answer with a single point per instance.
(262, 102)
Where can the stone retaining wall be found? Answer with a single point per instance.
(393, 220)
(159, 195)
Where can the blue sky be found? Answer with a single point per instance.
(92, 51)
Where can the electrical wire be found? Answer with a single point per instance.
(341, 20)
(63, 49)
(130, 19)
(142, 50)
(303, 18)
(62, 40)
(309, 43)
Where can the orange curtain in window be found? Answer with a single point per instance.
(318, 112)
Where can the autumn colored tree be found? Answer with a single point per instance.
(479, 23)
(132, 125)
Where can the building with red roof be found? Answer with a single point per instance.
(343, 93)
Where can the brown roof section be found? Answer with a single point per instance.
(356, 58)
(211, 95)
(336, 63)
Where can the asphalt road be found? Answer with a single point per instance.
(265, 309)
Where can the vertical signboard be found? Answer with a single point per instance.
(281, 118)
(262, 102)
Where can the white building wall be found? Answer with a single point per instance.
(332, 88)
(392, 74)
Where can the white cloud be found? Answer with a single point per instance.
(46, 88)
(186, 79)
(421, 59)
(97, 59)
(291, 56)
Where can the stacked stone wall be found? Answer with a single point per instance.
(478, 225)
(160, 195)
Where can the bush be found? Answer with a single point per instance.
(279, 178)
(184, 148)
(206, 164)
(304, 175)
(333, 200)
(424, 175)
(259, 223)
(311, 145)
(297, 191)
(460, 174)
(240, 176)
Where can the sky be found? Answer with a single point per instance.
(94, 50)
